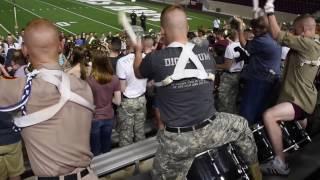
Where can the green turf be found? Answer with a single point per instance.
(86, 18)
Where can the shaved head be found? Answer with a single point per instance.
(305, 25)
(174, 23)
(41, 42)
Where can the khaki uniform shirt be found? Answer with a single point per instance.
(298, 84)
(61, 144)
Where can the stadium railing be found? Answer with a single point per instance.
(119, 158)
(123, 157)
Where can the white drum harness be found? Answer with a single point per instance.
(180, 71)
(62, 82)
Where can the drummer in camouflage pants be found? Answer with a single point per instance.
(183, 75)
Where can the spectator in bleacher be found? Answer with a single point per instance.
(11, 158)
(211, 39)
(19, 63)
(148, 43)
(9, 46)
(284, 53)
(20, 39)
(248, 35)
(57, 140)
(62, 58)
(220, 47)
(230, 78)
(132, 111)
(201, 39)
(192, 124)
(262, 73)
(83, 37)
(109, 36)
(80, 64)
(220, 39)
(106, 90)
(91, 38)
(115, 52)
(216, 24)
(1, 53)
(298, 94)
(103, 38)
(79, 41)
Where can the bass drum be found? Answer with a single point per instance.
(222, 163)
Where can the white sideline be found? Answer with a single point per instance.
(40, 17)
(5, 29)
(80, 15)
(103, 10)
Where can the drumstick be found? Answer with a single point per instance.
(255, 8)
(270, 1)
(255, 4)
(123, 20)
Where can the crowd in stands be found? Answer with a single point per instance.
(105, 62)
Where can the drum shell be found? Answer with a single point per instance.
(265, 152)
(203, 166)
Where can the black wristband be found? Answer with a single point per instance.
(270, 14)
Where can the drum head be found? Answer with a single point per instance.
(214, 165)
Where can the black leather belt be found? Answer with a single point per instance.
(83, 173)
(191, 128)
(125, 97)
(232, 72)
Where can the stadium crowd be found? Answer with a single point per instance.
(263, 75)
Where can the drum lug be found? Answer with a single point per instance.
(309, 139)
(240, 166)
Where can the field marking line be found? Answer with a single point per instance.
(40, 17)
(103, 10)
(99, 22)
(5, 29)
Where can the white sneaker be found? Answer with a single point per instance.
(275, 167)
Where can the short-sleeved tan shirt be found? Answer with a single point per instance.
(298, 84)
(61, 144)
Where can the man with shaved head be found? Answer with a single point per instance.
(56, 109)
(183, 75)
(298, 95)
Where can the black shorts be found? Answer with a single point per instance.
(299, 114)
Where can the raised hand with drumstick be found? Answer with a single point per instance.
(298, 96)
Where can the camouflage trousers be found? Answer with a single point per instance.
(228, 92)
(176, 151)
(131, 119)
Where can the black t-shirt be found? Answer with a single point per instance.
(143, 19)
(133, 17)
(185, 102)
(7, 134)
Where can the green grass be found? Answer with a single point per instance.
(85, 17)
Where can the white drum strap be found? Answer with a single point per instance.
(63, 85)
(312, 63)
(180, 71)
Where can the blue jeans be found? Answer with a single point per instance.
(100, 139)
(256, 97)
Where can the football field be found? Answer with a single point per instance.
(76, 16)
